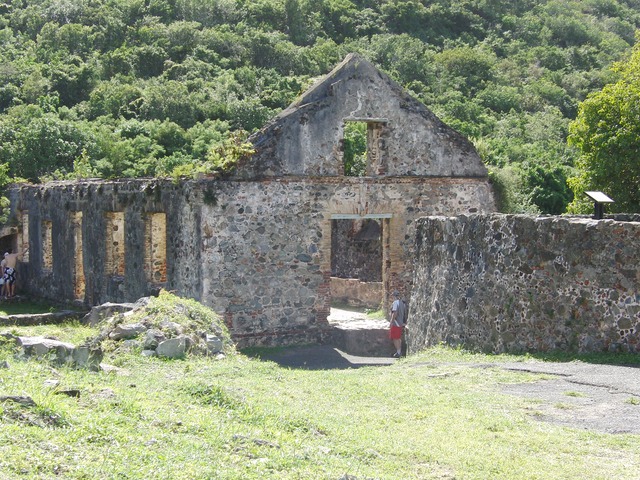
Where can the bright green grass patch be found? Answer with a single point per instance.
(72, 332)
(432, 416)
(376, 314)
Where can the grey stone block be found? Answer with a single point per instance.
(172, 348)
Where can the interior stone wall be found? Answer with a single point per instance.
(505, 283)
(356, 249)
(354, 293)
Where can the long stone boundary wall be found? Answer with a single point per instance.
(511, 283)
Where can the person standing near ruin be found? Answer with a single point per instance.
(8, 265)
(398, 322)
(3, 270)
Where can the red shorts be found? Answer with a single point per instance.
(395, 332)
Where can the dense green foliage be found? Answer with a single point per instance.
(117, 88)
(607, 133)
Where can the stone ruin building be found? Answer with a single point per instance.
(260, 246)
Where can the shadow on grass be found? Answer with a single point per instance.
(323, 357)
(311, 357)
(26, 307)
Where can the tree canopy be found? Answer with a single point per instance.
(607, 134)
(117, 88)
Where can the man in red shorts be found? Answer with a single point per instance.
(398, 322)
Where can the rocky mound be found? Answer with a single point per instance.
(167, 326)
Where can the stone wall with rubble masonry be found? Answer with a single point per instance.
(257, 252)
(504, 283)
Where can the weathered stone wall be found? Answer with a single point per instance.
(266, 253)
(55, 206)
(354, 293)
(518, 284)
(257, 252)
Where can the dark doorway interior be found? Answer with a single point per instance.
(8, 243)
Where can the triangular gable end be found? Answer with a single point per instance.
(405, 137)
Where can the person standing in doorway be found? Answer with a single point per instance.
(8, 264)
(398, 322)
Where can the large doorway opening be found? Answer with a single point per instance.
(359, 281)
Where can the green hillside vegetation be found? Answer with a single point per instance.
(132, 88)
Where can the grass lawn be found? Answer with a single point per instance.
(24, 307)
(429, 416)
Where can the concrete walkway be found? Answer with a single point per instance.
(354, 333)
(604, 398)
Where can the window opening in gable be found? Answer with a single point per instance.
(155, 256)
(355, 149)
(362, 146)
(114, 243)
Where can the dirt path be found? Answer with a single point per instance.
(604, 398)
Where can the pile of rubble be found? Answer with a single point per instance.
(165, 326)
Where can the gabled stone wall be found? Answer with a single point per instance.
(504, 283)
(266, 252)
(405, 138)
